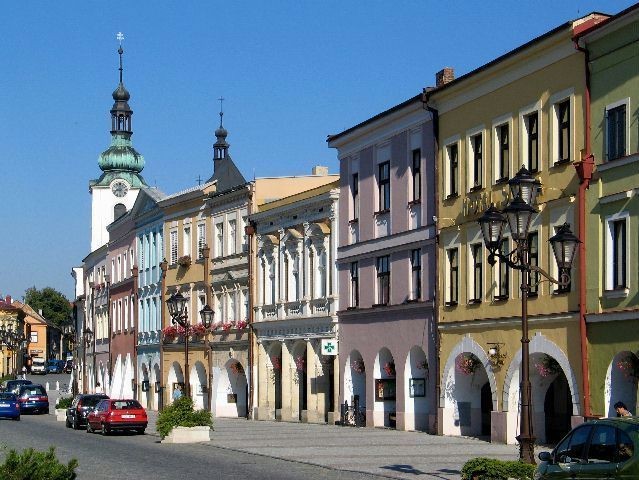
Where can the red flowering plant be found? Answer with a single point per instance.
(358, 366)
(389, 368)
(299, 363)
(276, 362)
(227, 326)
(467, 364)
(198, 329)
(169, 332)
(237, 368)
(241, 324)
(547, 366)
(629, 365)
(181, 330)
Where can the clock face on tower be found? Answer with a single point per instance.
(119, 188)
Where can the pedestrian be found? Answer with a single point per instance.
(177, 392)
(98, 388)
(622, 410)
(24, 372)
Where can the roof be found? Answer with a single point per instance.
(607, 21)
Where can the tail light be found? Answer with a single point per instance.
(79, 406)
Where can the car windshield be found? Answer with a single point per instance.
(91, 401)
(125, 404)
(33, 390)
(7, 396)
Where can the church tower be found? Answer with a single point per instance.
(114, 193)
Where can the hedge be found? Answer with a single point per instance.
(181, 414)
(34, 465)
(64, 402)
(481, 468)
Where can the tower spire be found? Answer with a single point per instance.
(221, 146)
(221, 99)
(121, 112)
(120, 37)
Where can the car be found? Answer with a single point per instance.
(602, 448)
(13, 386)
(82, 404)
(9, 405)
(68, 366)
(121, 414)
(38, 366)
(33, 398)
(55, 366)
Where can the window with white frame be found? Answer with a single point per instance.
(186, 248)
(530, 141)
(416, 176)
(502, 273)
(416, 273)
(562, 131)
(201, 239)
(476, 279)
(232, 237)
(502, 152)
(383, 280)
(383, 186)
(355, 195)
(142, 260)
(452, 276)
(354, 285)
(118, 270)
(173, 245)
(617, 252)
(452, 170)
(219, 239)
(132, 312)
(125, 265)
(126, 313)
(475, 161)
(243, 233)
(616, 130)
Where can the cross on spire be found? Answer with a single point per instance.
(221, 99)
(119, 37)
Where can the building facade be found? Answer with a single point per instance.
(386, 265)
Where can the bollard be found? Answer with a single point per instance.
(57, 385)
(47, 386)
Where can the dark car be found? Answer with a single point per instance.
(68, 366)
(13, 386)
(33, 398)
(79, 409)
(603, 448)
(55, 366)
(9, 405)
(112, 415)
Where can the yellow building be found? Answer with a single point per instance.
(11, 320)
(524, 108)
(36, 332)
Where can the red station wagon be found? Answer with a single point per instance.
(110, 415)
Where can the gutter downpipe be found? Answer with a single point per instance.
(250, 230)
(584, 171)
(435, 113)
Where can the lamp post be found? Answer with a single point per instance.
(518, 213)
(180, 316)
(87, 338)
(68, 331)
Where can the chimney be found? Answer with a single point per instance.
(444, 76)
(320, 170)
(40, 311)
(8, 300)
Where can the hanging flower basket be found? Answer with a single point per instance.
(199, 330)
(169, 333)
(227, 326)
(547, 366)
(629, 365)
(358, 366)
(184, 261)
(299, 363)
(467, 364)
(241, 324)
(237, 368)
(181, 331)
(423, 365)
(389, 368)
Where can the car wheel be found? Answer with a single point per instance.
(67, 423)
(140, 431)
(17, 419)
(76, 424)
(104, 430)
(89, 429)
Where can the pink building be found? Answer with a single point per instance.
(386, 269)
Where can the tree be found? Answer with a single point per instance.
(54, 305)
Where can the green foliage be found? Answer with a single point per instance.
(55, 306)
(64, 402)
(6, 377)
(181, 414)
(490, 469)
(35, 465)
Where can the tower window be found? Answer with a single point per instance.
(118, 211)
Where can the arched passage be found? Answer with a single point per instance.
(274, 363)
(145, 397)
(232, 390)
(621, 382)
(175, 377)
(355, 381)
(198, 384)
(385, 406)
(416, 373)
(156, 378)
(299, 398)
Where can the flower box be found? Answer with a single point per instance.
(188, 435)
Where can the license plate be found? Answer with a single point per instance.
(4, 404)
(128, 416)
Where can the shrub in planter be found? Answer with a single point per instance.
(64, 402)
(181, 414)
(481, 468)
(34, 465)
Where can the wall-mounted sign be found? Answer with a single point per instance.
(329, 346)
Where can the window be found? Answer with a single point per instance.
(173, 246)
(118, 272)
(354, 285)
(417, 175)
(452, 154)
(531, 125)
(34, 337)
(125, 266)
(625, 447)
(503, 153)
(201, 239)
(384, 186)
(503, 280)
(355, 193)
(533, 257)
(453, 276)
(476, 166)
(219, 239)
(126, 312)
(416, 274)
(476, 257)
(186, 248)
(232, 237)
(141, 250)
(603, 445)
(573, 447)
(383, 280)
(616, 132)
(563, 131)
(286, 279)
(617, 278)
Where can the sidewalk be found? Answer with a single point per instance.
(388, 453)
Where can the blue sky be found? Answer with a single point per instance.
(291, 72)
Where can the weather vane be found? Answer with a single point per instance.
(120, 36)
(221, 99)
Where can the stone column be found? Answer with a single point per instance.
(286, 413)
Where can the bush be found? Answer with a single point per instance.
(490, 469)
(181, 414)
(34, 465)
(64, 402)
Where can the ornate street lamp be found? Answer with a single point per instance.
(180, 316)
(519, 212)
(206, 314)
(68, 331)
(87, 337)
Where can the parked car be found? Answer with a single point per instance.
(9, 405)
(110, 415)
(33, 398)
(38, 366)
(68, 366)
(603, 448)
(55, 366)
(79, 409)
(13, 386)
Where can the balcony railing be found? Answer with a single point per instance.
(318, 307)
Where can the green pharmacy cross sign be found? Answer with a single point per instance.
(329, 346)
